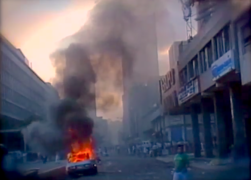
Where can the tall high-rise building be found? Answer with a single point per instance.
(141, 92)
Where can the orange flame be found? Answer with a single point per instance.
(81, 151)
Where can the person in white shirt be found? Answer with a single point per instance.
(57, 157)
(145, 151)
(129, 151)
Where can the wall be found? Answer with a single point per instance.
(114, 128)
(213, 26)
(143, 79)
(170, 82)
(52, 98)
(101, 128)
(244, 47)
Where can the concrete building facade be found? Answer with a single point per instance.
(52, 98)
(211, 78)
(101, 129)
(141, 91)
(23, 93)
(114, 128)
(213, 82)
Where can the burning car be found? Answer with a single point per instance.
(82, 159)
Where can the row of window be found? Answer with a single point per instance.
(15, 84)
(9, 94)
(218, 46)
(246, 34)
(13, 110)
(18, 73)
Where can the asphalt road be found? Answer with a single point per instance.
(135, 168)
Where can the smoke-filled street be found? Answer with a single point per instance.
(136, 168)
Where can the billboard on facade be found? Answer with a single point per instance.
(167, 81)
(188, 91)
(174, 120)
(223, 65)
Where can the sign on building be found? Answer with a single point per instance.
(223, 65)
(170, 101)
(188, 91)
(174, 120)
(167, 81)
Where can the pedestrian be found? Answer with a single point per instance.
(154, 150)
(145, 151)
(57, 157)
(118, 150)
(181, 162)
(129, 151)
(45, 159)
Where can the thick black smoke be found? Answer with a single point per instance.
(107, 41)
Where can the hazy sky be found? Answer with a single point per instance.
(37, 27)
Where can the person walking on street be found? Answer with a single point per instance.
(118, 150)
(181, 162)
(44, 159)
(145, 151)
(57, 157)
(129, 151)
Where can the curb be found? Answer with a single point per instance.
(209, 168)
(53, 169)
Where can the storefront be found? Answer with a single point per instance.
(13, 139)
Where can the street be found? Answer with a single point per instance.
(122, 168)
(136, 168)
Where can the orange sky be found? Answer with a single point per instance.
(38, 26)
(38, 32)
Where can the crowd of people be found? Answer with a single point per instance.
(154, 149)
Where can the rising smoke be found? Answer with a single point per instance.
(108, 41)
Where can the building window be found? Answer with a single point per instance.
(205, 61)
(191, 69)
(220, 44)
(209, 54)
(226, 38)
(246, 37)
(185, 75)
(216, 49)
(196, 66)
(182, 78)
(202, 60)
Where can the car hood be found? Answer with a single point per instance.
(81, 163)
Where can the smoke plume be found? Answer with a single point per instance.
(108, 39)
(91, 68)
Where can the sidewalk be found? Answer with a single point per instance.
(209, 163)
(41, 166)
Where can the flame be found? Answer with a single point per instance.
(81, 151)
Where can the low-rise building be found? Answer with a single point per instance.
(214, 77)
